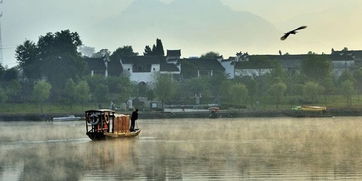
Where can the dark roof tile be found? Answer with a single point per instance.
(174, 53)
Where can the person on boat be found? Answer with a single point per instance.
(134, 117)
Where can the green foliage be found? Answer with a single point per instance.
(210, 55)
(347, 90)
(101, 53)
(358, 77)
(120, 88)
(27, 55)
(164, 88)
(237, 95)
(69, 92)
(59, 43)
(157, 49)
(82, 92)
(277, 91)
(312, 91)
(41, 91)
(316, 67)
(3, 95)
(13, 89)
(101, 93)
(125, 51)
(2, 71)
(346, 75)
(148, 51)
(10, 74)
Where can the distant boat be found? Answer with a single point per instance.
(67, 118)
(309, 111)
(106, 124)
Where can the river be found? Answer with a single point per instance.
(187, 149)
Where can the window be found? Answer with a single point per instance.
(142, 68)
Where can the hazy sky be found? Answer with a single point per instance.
(113, 23)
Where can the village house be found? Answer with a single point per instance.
(258, 65)
(199, 67)
(98, 66)
(144, 68)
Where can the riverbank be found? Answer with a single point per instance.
(168, 115)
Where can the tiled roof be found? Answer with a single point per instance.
(167, 67)
(143, 60)
(96, 64)
(203, 64)
(174, 53)
(148, 60)
(190, 67)
(115, 68)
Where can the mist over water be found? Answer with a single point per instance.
(187, 149)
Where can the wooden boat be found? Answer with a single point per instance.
(106, 124)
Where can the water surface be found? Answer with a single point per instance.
(187, 149)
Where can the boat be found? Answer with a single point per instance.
(309, 111)
(310, 108)
(105, 124)
(67, 118)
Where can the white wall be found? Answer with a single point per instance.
(147, 77)
(229, 69)
(251, 72)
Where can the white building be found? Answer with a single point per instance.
(144, 68)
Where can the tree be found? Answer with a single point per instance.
(86, 51)
(27, 57)
(157, 49)
(148, 51)
(312, 91)
(60, 59)
(10, 74)
(101, 53)
(82, 92)
(41, 92)
(70, 92)
(316, 67)
(2, 71)
(101, 93)
(195, 88)
(164, 88)
(125, 51)
(210, 55)
(347, 90)
(238, 94)
(277, 91)
(13, 89)
(59, 43)
(120, 88)
(358, 77)
(3, 96)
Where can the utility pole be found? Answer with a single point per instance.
(1, 40)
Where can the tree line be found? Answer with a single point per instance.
(52, 70)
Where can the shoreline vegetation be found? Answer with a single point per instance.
(54, 78)
(30, 112)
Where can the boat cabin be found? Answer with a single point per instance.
(105, 123)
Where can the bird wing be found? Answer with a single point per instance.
(300, 28)
(285, 36)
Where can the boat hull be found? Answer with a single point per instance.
(105, 136)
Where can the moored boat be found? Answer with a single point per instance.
(67, 118)
(309, 111)
(106, 124)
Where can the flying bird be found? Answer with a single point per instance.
(292, 32)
